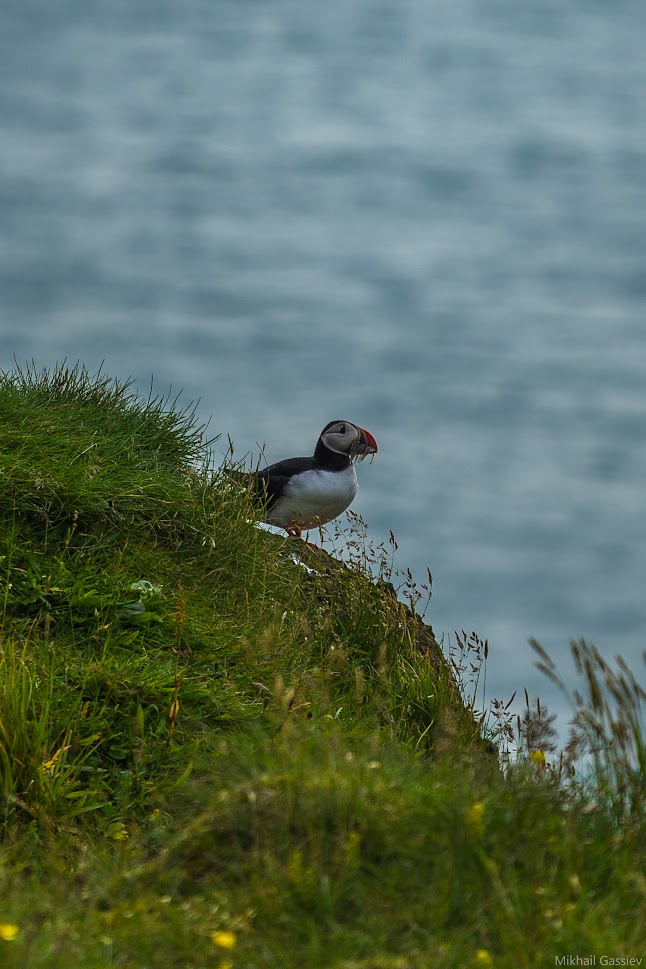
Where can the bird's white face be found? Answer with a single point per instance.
(346, 438)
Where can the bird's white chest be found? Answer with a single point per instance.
(313, 498)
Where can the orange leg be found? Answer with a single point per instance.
(295, 532)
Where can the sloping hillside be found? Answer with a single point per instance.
(219, 747)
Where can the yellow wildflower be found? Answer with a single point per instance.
(226, 940)
(483, 958)
(475, 815)
(8, 931)
(49, 765)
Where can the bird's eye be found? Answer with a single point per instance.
(342, 429)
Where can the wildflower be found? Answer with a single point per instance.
(226, 940)
(475, 815)
(49, 765)
(8, 931)
(483, 958)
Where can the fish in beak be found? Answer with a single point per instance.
(364, 445)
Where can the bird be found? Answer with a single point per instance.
(302, 493)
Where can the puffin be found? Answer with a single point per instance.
(302, 493)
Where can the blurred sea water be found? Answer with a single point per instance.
(426, 218)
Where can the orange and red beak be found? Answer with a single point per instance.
(366, 443)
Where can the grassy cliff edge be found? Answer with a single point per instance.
(222, 748)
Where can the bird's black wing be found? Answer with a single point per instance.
(269, 484)
(271, 481)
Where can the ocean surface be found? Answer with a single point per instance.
(429, 219)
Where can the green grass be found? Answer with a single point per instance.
(213, 757)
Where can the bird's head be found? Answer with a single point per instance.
(349, 439)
